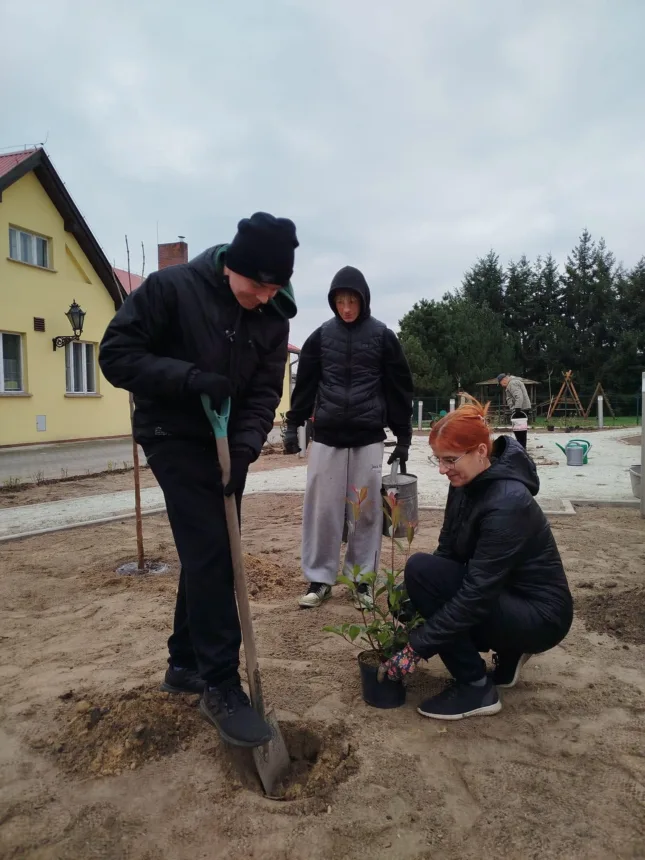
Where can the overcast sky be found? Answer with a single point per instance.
(404, 138)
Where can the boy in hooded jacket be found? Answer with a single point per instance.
(217, 326)
(355, 379)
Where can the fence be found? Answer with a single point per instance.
(627, 409)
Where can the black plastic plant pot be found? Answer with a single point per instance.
(379, 694)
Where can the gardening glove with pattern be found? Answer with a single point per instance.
(400, 665)
(400, 453)
(291, 444)
(240, 462)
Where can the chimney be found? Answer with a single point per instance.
(172, 253)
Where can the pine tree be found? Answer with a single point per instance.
(484, 283)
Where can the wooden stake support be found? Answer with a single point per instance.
(599, 390)
(569, 388)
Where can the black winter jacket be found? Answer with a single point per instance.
(495, 526)
(355, 380)
(183, 319)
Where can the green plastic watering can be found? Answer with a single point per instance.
(574, 445)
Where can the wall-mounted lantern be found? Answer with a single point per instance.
(76, 317)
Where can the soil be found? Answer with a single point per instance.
(632, 440)
(116, 480)
(96, 763)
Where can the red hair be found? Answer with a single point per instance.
(464, 429)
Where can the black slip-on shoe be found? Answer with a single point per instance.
(228, 708)
(458, 701)
(507, 669)
(182, 681)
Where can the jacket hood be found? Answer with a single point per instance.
(509, 461)
(352, 279)
(210, 264)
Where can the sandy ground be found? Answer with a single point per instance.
(113, 482)
(95, 763)
(605, 477)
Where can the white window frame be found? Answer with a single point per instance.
(21, 389)
(70, 373)
(16, 235)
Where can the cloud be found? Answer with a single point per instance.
(406, 139)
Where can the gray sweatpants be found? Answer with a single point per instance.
(331, 475)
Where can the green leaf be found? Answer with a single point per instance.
(345, 580)
(354, 632)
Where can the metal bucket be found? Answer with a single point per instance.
(635, 478)
(405, 487)
(575, 455)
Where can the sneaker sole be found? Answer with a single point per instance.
(487, 710)
(165, 687)
(303, 605)
(234, 742)
(524, 659)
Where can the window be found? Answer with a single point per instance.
(28, 248)
(10, 363)
(80, 369)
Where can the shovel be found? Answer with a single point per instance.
(271, 760)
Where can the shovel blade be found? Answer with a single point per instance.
(272, 760)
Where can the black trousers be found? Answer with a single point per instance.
(206, 632)
(512, 627)
(520, 435)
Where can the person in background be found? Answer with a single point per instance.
(215, 326)
(496, 580)
(354, 376)
(517, 401)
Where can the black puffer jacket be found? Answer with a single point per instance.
(495, 526)
(184, 318)
(354, 377)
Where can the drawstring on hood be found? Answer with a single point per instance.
(351, 279)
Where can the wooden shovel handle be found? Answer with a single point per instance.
(241, 591)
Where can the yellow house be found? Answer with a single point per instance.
(51, 389)
(58, 293)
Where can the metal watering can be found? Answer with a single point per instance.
(576, 452)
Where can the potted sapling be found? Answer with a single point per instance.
(387, 617)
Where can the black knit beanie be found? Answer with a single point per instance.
(263, 249)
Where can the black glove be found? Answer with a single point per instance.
(291, 444)
(240, 462)
(400, 453)
(215, 385)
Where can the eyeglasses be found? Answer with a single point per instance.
(447, 461)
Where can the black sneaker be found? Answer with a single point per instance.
(462, 700)
(228, 708)
(316, 594)
(182, 681)
(507, 669)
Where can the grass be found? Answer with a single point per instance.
(576, 421)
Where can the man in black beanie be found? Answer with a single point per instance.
(353, 375)
(217, 325)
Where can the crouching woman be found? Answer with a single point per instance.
(495, 582)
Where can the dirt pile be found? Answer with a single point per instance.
(266, 579)
(616, 613)
(106, 735)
